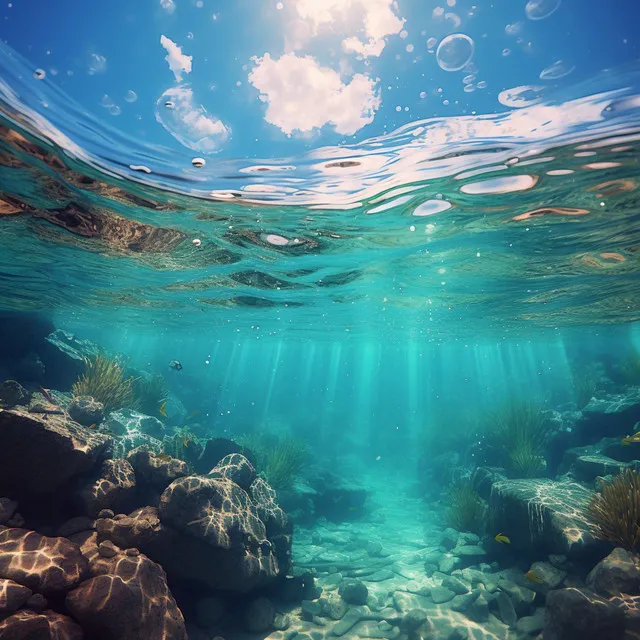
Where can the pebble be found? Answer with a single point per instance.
(107, 549)
(440, 595)
(352, 618)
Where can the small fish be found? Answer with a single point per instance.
(532, 576)
(47, 394)
(162, 410)
(92, 426)
(176, 364)
(627, 440)
(502, 539)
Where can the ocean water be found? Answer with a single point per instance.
(416, 322)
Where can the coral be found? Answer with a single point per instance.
(521, 432)
(104, 380)
(151, 391)
(279, 460)
(614, 513)
(467, 509)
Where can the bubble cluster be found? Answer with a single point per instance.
(455, 51)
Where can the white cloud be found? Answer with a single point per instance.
(377, 18)
(301, 95)
(189, 122)
(168, 5)
(179, 63)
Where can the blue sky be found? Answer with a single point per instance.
(269, 78)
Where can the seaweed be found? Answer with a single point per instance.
(466, 510)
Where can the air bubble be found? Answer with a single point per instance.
(39, 74)
(540, 9)
(455, 51)
(198, 162)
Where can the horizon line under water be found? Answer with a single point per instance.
(496, 224)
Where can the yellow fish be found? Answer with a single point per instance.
(502, 539)
(186, 443)
(162, 410)
(627, 440)
(533, 577)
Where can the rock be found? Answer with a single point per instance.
(542, 514)
(374, 629)
(463, 603)
(127, 599)
(449, 539)
(449, 563)
(123, 445)
(335, 498)
(156, 471)
(38, 457)
(13, 393)
(311, 608)
(259, 615)
(381, 575)
(575, 614)
(64, 356)
(16, 521)
(351, 618)
(209, 611)
(107, 549)
(237, 468)
(7, 509)
(521, 597)
(374, 549)
(440, 595)
(551, 576)
(469, 554)
(86, 411)
(112, 487)
(455, 585)
(281, 622)
(37, 602)
(611, 414)
(215, 449)
(354, 592)
(506, 610)
(75, 525)
(334, 607)
(47, 565)
(618, 573)
(12, 596)
(48, 625)
(127, 422)
(413, 620)
(531, 625)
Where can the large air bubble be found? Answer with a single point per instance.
(539, 9)
(455, 51)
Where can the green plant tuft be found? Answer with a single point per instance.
(104, 379)
(467, 509)
(615, 513)
(151, 391)
(521, 432)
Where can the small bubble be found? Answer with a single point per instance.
(431, 43)
(404, 34)
(506, 52)
(39, 74)
(279, 6)
(423, 94)
(115, 110)
(198, 162)
(398, 108)
(409, 48)
(482, 84)
(197, 242)
(169, 105)
(131, 96)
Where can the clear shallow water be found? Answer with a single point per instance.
(445, 229)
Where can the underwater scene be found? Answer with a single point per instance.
(320, 320)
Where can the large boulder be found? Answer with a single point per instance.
(237, 469)
(13, 393)
(44, 625)
(156, 471)
(611, 414)
(576, 614)
(113, 486)
(49, 566)
(126, 599)
(606, 457)
(211, 531)
(39, 456)
(618, 573)
(86, 411)
(127, 422)
(543, 515)
(215, 449)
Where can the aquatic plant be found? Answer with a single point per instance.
(521, 432)
(151, 391)
(466, 510)
(614, 513)
(630, 368)
(279, 460)
(104, 379)
(585, 386)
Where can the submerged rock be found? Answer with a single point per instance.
(237, 468)
(544, 515)
(259, 615)
(112, 487)
(47, 565)
(39, 456)
(86, 411)
(354, 592)
(13, 393)
(126, 599)
(215, 449)
(12, 596)
(576, 614)
(45, 625)
(157, 471)
(64, 357)
(618, 573)
(127, 422)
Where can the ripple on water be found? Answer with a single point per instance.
(507, 184)
(430, 207)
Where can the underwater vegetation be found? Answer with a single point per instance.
(151, 392)
(615, 512)
(279, 460)
(104, 380)
(585, 386)
(467, 509)
(521, 432)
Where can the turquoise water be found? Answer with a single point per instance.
(380, 306)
